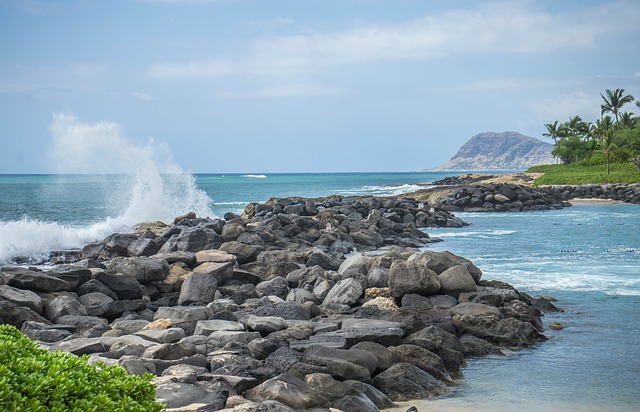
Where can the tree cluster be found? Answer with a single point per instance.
(608, 139)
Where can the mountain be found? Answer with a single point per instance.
(500, 151)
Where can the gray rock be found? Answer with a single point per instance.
(222, 271)
(243, 252)
(220, 338)
(206, 327)
(382, 353)
(183, 313)
(405, 382)
(181, 394)
(87, 326)
(475, 347)
(196, 239)
(63, 305)
(128, 326)
(143, 269)
(320, 258)
(170, 335)
(45, 333)
(289, 390)
(353, 264)
(23, 278)
(126, 287)
(80, 346)
(378, 277)
(74, 275)
(411, 277)
(95, 285)
(21, 297)
(94, 299)
(422, 358)
(16, 315)
(265, 324)
(199, 288)
(345, 292)
(456, 280)
(171, 351)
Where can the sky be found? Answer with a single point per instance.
(257, 86)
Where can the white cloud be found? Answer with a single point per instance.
(141, 96)
(491, 28)
(562, 106)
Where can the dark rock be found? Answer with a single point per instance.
(19, 297)
(199, 288)
(23, 278)
(124, 286)
(289, 390)
(143, 269)
(404, 382)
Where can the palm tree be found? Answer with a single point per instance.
(627, 120)
(553, 131)
(603, 131)
(614, 101)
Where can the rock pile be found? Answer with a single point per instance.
(628, 193)
(498, 197)
(281, 311)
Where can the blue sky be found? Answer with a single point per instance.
(254, 86)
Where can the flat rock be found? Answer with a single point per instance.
(21, 297)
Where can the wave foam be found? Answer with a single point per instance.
(155, 188)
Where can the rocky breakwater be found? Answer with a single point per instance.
(491, 197)
(282, 311)
(628, 193)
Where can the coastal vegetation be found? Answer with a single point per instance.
(580, 173)
(604, 151)
(35, 379)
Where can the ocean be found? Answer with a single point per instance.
(586, 256)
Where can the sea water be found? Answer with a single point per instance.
(587, 256)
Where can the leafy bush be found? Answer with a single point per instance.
(34, 379)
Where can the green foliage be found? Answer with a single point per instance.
(34, 379)
(585, 173)
(616, 139)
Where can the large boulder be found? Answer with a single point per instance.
(290, 391)
(194, 239)
(345, 292)
(198, 288)
(456, 280)
(21, 297)
(64, 305)
(422, 358)
(405, 382)
(124, 286)
(23, 278)
(143, 269)
(412, 277)
(244, 253)
(222, 271)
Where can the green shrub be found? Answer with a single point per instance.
(34, 379)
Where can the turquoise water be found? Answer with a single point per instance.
(587, 256)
